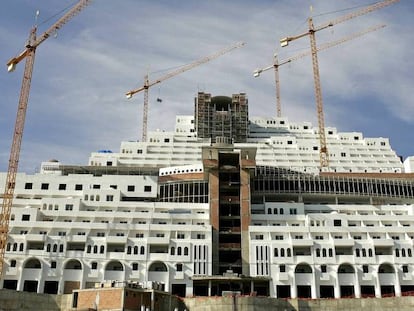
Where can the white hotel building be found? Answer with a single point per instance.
(221, 204)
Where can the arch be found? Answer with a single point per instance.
(33, 263)
(186, 251)
(346, 268)
(172, 251)
(158, 266)
(135, 250)
(386, 268)
(129, 249)
(142, 250)
(303, 268)
(114, 265)
(73, 264)
(54, 248)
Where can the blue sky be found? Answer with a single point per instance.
(77, 103)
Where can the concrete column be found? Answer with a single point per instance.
(357, 287)
(337, 288)
(294, 289)
(397, 284)
(314, 290)
(377, 285)
(209, 288)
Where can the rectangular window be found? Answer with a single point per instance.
(62, 186)
(94, 265)
(159, 235)
(134, 266)
(293, 211)
(113, 186)
(131, 188)
(44, 186)
(201, 236)
(61, 233)
(25, 217)
(365, 269)
(139, 235)
(96, 186)
(100, 234)
(78, 187)
(180, 236)
(69, 207)
(53, 265)
(179, 266)
(282, 268)
(147, 188)
(405, 269)
(28, 185)
(109, 198)
(337, 222)
(259, 237)
(139, 151)
(323, 268)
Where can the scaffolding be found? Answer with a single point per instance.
(222, 116)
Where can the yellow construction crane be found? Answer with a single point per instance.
(148, 84)
(29, 54)
(325, 46)
(323, 150)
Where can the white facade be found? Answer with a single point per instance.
(76, 226)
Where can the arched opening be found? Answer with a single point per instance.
(346, 268)
(73, 264)
(386, 268)
(33, 263)
(114, 266)
(303, 268)
(158, 266)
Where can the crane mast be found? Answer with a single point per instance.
(148, 84)
(323, 152)
(323, 149)
(29, 54)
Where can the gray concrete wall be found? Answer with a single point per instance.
(273, 304)
(11, 300)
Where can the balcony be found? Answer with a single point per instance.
(116, 239)
(36, 237)
(158, 240)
